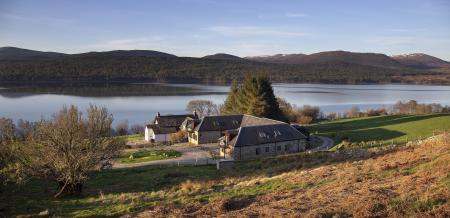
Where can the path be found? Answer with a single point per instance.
(327, 143)
(191, 155)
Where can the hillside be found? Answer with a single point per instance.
(412, 180)
(421, 60)
(126, 53)
(369, 59)
(154, 66)
(222, 56)
(372, 131)
(13, 53)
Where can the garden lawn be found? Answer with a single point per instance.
(147, 155)
(383, 129)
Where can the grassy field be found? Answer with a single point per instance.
(134, 137)
(371, 131)
(147, 155)
(401, 182)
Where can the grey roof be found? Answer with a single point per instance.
(219, 123)
(228, 122)
(162, 130)
(256, 135)
(172, 120)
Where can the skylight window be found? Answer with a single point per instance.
(262, 134)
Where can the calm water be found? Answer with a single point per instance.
(138, 103)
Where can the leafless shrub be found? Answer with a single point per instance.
(203, 107)
(137, 129)
(67, 147)
(122, 127)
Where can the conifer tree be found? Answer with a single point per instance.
(230, 105)
(254, 97)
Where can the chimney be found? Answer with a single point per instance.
(195, 114)
(158, 114)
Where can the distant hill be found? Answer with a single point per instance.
(127, 53)
(369, 59)
(13, 53)
(22, 65)
(279, 58)
(222, 56)
(421, 60)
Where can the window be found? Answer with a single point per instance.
(276, 133)
(258, 151)
(279, 148)
(267, 149)
(287, 147)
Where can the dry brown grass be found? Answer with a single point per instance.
(413, 181)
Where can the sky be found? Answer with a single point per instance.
(240, 27)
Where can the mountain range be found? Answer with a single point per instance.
(416, 60)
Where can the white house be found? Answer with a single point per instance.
(156, 133)
(163, 126)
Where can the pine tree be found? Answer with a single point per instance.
(230, 105)
(255, 97)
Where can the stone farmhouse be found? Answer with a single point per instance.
(210, 128)
(251, 142)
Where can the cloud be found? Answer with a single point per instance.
(404, 30)
(36, 20)
(243, 31)
(294, 15)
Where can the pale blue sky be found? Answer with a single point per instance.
(240, 27)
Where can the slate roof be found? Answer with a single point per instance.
(162, 130)
(219, 123)
(229, 122)
(256, 135)
(172, 120)
(301, 129)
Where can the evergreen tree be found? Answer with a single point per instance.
(255, 97)
(230, 105)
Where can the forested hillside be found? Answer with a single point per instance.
(152, 66)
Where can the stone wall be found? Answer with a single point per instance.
(271, 149)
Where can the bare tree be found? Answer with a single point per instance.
(66, 148)
(137, 129)
(203, 107)
(353, 112)
(122, 127)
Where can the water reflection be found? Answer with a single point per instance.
(139, 102)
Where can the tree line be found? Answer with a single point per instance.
(159, 69)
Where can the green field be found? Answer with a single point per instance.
(372, 131)
(134, 137)
(148, 155)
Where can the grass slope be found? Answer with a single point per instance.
(412, 180)
(384, 129)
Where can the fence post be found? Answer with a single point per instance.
(178, 163)
(196, 161)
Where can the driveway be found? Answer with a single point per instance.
(191, 155)
(327, 143)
